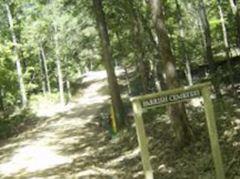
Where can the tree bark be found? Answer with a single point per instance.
(236, 12)
(157, 70)
(208, 47)
(226, 44)
(17, 59)
(125, 68)
(68, 86)
(59, 68)
(45, 67)
(154, 70)
(202, 41)
(177, 112)
(42, 74)
(117, 103)
(128, 80)
(1, 100)
(182, 46)
(138, 31)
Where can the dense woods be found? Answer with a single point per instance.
(196, 33)
(47, 46)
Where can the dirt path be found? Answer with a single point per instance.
(69, 144)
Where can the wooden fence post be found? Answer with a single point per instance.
(142, 140)
(212, 130)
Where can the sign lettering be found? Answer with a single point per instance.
(162, 100)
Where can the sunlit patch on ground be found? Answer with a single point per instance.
(96, 171)
(69, 143)
(196, 102)
(33, 158)
(127, 155)
(53, 144)
(49, 108)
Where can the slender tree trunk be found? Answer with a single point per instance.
(138, 31)
(182, 46)
(158, 69)
(16, 51)
(1, 100)
(160, 73)
(121, 47)
(43, 81)
(236, 12)
(154, 70)
(208, 48)
(226, 44)
(117, 103)
(202, 41)
(68, 86)
(128, 80)
(177, 112)
(59, 68)
(45, 67)
(148, 29)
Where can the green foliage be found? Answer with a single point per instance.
(79, 44)
(15, 123)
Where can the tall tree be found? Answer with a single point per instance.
(182, 45)
(226, 44)
(17, 59)
(236, 12)
(45, 69)
(107, 61)
(138, 31)
(208, 47)
(177, 112)
(58, 64)
(1, 100)
(42, 74)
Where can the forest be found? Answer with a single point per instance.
(120, 89)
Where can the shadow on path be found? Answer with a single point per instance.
(70, 145)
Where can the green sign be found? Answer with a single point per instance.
(170, 97)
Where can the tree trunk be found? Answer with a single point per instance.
(59, 69)
(154, 70)
(1, 100)
(202, 41)
(182, 46)
(117, 103)
(177, 112)
(68, 86)
(128, 80)
(16, 51)
(226, 44)
(45, 67)
(157, 69)
(208, 47)
(121, 47)
(42, 74)
(138, 31)
(236, 12)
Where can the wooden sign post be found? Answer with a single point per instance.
(171, 97)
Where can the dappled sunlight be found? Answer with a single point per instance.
(95, 171)
(94, 75)
(33, 157)
(197, 102)
(69, 143)
(90, 96)
(126, 156)
(48, 108)
(165, 169)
